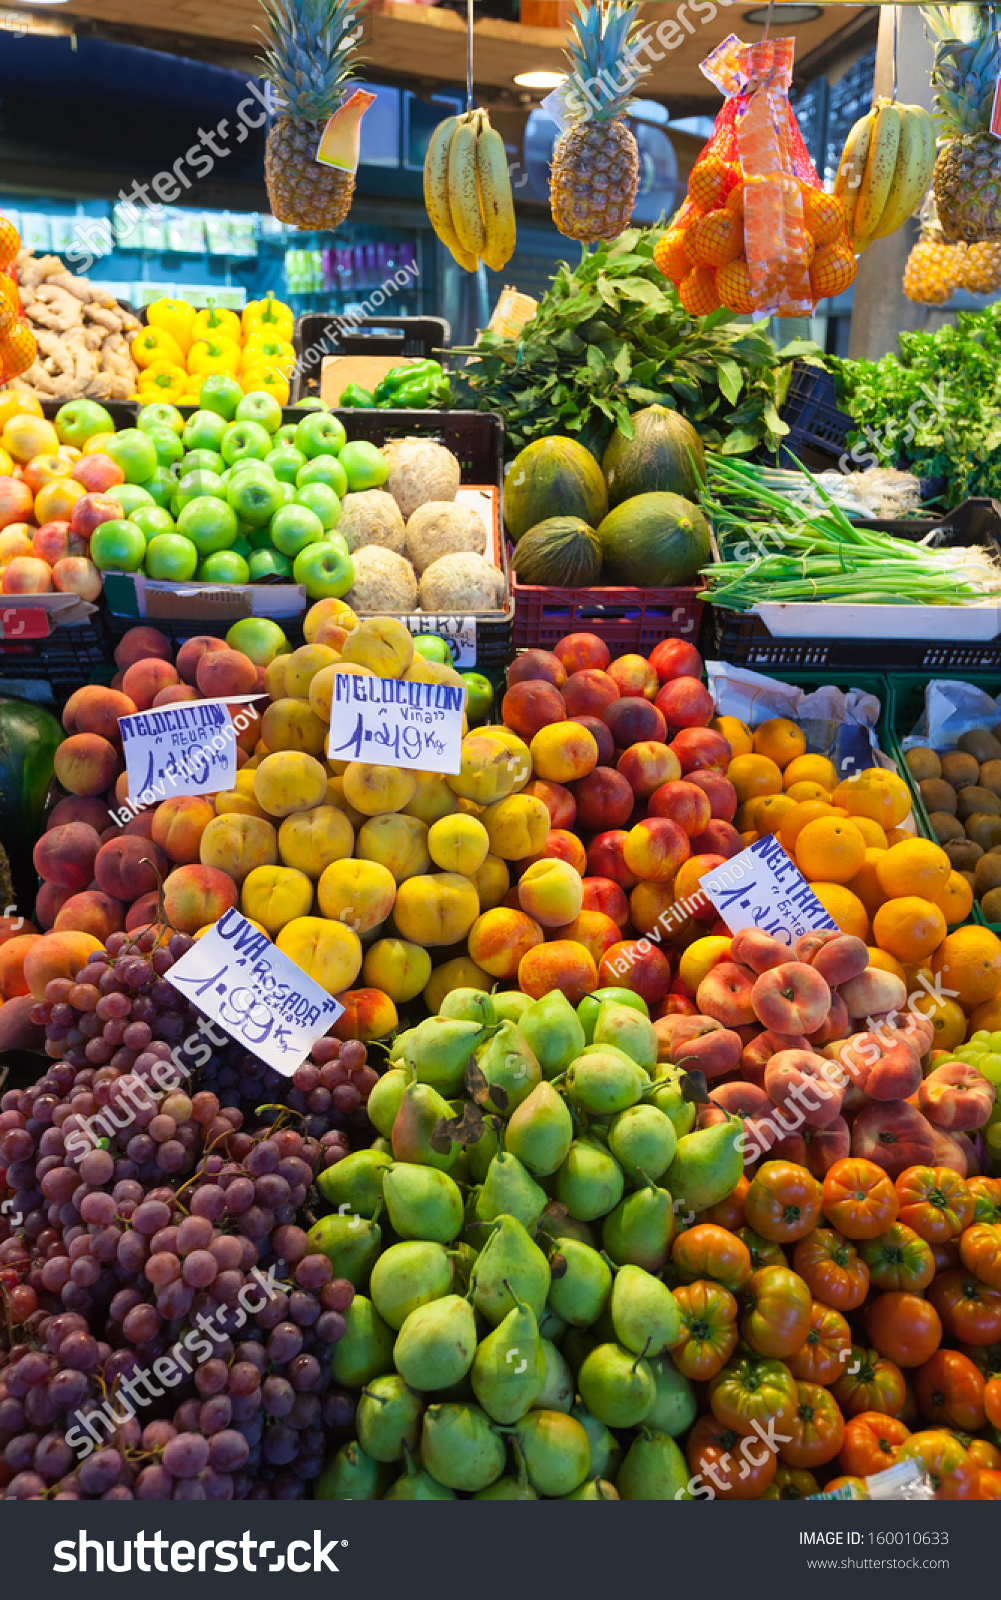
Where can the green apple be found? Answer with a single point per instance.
(311, 403)
(320, 434)
(269, 564)
(250, 464)
(325, 570)
(243, 439)
(288, 492)
(204, 430)
(242, 545)
(152, 520)
(319, 497)
(293, 528)
(167, 445)
(285, 461)
(364, 464)
(162, 486)
(204, 461)
(433, 648)
(260, 406)
(254, 499)
(285, 434)
(134, 453)
(324, 469)
(198, 486)
(120, 546)
(171, 556)
(78, 420)
(222, 394)
(481, 695)
(259, 638)
(210, 524)
(130, 496)
(224, 566)
(260, 539)
(160, 415)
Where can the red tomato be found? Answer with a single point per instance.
(992, 1401)
(818, 1428)
(831, 1269)
(905, 1327)
(871, 1443)
(708, 1251)
(763, 1252)
(986, 1194)
(983, 1452)
(980, 1250)
(729, 1466)
(858, 1198)
(898, 1259)
(751, 1391)
(950, 1390)
(954, 1473)
(970, 1310)
(708, 1329)
(990, 1484)
(826, 1350)
(783, 1202)
(775, 1313)
(935, 1202)
(791, 1483)
(729, 1213)
(946, 1255)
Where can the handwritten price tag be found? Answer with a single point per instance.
(262, 999)
(180, 749)
(392, 723)
(761, 888)
(458, 632)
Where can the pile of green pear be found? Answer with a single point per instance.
(507, 1236)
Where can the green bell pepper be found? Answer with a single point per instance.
(414, 396)
(355, 395)
(403, 376)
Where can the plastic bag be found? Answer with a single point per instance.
(17, 342)
(905, 1480)
(951, 708)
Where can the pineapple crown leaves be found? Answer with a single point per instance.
(605, 36)
(966, 67)
(312, 53)
(965, 24)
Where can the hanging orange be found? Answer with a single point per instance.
(833, 270)
(709, 183)
(715, 239)
(824, 215)
(697, 292)
(671, 257)
(733, 285)
(10, 242)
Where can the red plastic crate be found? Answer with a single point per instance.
(629, 620)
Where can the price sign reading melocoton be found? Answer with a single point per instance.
(182, 749)
(239, 979)
(761, 888)
(391, 722)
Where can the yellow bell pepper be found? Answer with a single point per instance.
(215, 324)
(163, 380)
(155, 344)
(213, 355)
(269, 315)
(269, 351)
(266, 375)
(174, 317)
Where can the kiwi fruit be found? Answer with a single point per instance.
(923, 763)
(990, 905)
(969, 878)
(960, 769)
(973, 799)
(990, 776)
(984, 829)
(987, 873)
(980, 744)
(963, 853)
(946, 827)
(938, 795)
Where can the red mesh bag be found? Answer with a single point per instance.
(17, 342)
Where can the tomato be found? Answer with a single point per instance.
(946, 1255)
(791, 1483)
(783, 1202)
(857, 1485)
(775, 1312)
(950, 1391)
(986, 1194)
(751, 1390)
(870, 1383)
(990, 1484)
(985, 1356)
(822, 1356)
(871, 1442)
(983, 1452)
(729, 1213)
(980, 1250)
(830, 1267)
(935, 1202)
(905, 1327)
(992, 1401)
(709, 1251)
(708, 1329)
(954, 1473)
(730, 1467)
(898, 1259)
(970, 1310)
(763, 1252)
(818, 1428)
(858, 1198)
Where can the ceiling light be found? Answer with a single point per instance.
(783, 14)
(539, 80)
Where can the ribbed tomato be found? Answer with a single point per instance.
(969, 1309)
(783, 1202)
(980, 1250)
(791, 1483)
(763, 1252)
(898, 1259)
(990, 1484)
(858, 1198)
(729, 1213)
(731, 1466)
(905, 1327)
(986, 1194)
(830, 1267)
(775, 1312)
(872, 1440)
(750, 1391)
(983, 1452)
(935, 1202)
(950, 1390)
(708, 1329)
(709, 1251)
(826, 1350)
(817, 1428)
(992, 1401)
(954, 1473)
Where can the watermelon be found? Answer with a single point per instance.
(664, 455)
(29, 738)
(562, 551)
(553, 478)
(654, 541)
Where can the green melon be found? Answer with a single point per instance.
(553, 478)
(654, 541)
(664, 456)
(562, 551)
(29, 738)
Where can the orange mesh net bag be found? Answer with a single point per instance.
(17, 342)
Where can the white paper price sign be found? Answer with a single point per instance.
(188, 748)
(458, 632)
(761, 888)
(262, 999)
(393, 723)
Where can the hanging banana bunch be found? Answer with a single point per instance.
(467, 191)
(885, 169)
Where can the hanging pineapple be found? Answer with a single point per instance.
(312, 54)
(967, 176)
(935, 269)
(596, 164)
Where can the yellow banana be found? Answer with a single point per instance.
(463, 195)
(496, 199)
(879, 170)
(912, 175)
(436, 192)
(851, 169)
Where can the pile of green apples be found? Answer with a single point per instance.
(234, 495)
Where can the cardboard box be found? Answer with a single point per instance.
(336, 372)
(132, 594)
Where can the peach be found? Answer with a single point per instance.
(139, 644)
(328, 952)
(431, 800)
(606, 896)
(581, 651)
(287, 781)
(65, 855)
(128, 866)
(361, 894)
(498, 940)
(531, 705)
(601, 733)
(49, 901)
(562, 964)
(701, 749)
(895, 1074)
(873, 991)
(648, 767)
(686, 804)
(605, 858)
(16, 501)
(551, 892)
(487, 772)
(564, 846)
(836, 1025)
(272, 895)
(300, 668)
(517, 827)
(825, 1146)
(808, 944)
(324, 611)
(535, 666)
(191, 653)
(398, 968)
(655, 849)
(841, 959)
(688, 886)
(956, 1096)
(176, 694)
(91, 912)
(12, 957)
(374, 790)
(756, 1055)
(686, 703)
(492, 882)
(311, 840)
(221, 673)
(86, 764)
(675, 658)
(595, 931)
(78, 808)
(954, 1151)
(330, 634)
(290, 724)
(701, 1044)
(895, 1136)
(587, 693)
(604, 800)
(638, 965)
(633, 720)
(438, 909)
(754, 948)
(649, 903)
(634, 675)
(54, 540)
(27, 575)
(401, 843)
(368, 1014)
(791, 998)
(236, 844)
(721, 792)
(55, 955)
(719, 839)
(11, 927)
(563, 752)
(559, 802)
(798, 1081)
(16, 540)
(77, 575)
(90, 510)
(141, 825)
(737, 1099)
(725, 994)
(144, 680)
(97, 710)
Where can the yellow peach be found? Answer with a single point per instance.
(459, 973)
(432, 799)
(302, 666)
(374, 790)
(328, 610)
(381, 643)
(241, 798)
(397, 967)
(237, 843)
(551, 891)
(289, 780)
(335, 797)
(492, 882)
(276, 896)
(458, 844)
(518, 826)
(358, 893)
(487, 772)
(439, 909)
(311, 840)
(397, 842)
(328, 952)
(290, 724)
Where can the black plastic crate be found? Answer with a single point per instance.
(178, 629)
(743, 638)
(976, 521)
(816, 423)
(123, 413)
(69, 657)
(326, 334)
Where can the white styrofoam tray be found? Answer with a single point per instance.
(827, 619)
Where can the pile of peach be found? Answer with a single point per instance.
(50, 504)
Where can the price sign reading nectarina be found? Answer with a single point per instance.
(389, 722)
(761, 888)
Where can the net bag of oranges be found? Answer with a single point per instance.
(17, 342)
(757, 232)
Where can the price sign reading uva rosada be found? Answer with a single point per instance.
(390, 722)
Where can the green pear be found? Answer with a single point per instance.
(474, 1230)
(509, 1187)
(556, 1222)
(617, 1054)
(439, 1050)
(382, 1146)
(469, 1005)
(594, 1489)
(654, 1469)
(642, 1137)
(540, 1131)
(397, 1048)
(421, 1110)
(601, 1084)
(606, 1452)
(509, 1264)
(384, 1101)
(645, 1315)
(577, 1346)
(553, 1031)
(409, 1275)
(558, 1390)
(463, 1258)
(355, 1182)
(676, 1405)
(460, 1448)
(622, 1026)
(350, 1243)
(707, 1166)
(509, 1488)
(616, 1386)
(557, 1452)
(388, 1418)
(422, 1202)
(590, 1181)
(353, 1475)
(511, 1004)
(591, 1004)
(416, 1484)
(582, 1283)
(551, 1326)
(509, 1368)
(509, 1069)
(641, 1228)
(365, 1349)
(667, 1097)
(436, 1345)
